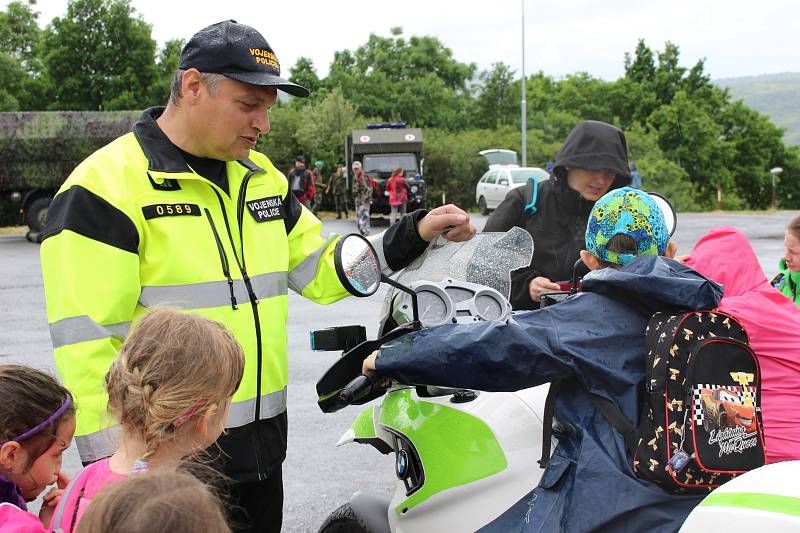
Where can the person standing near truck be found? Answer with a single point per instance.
(398, 194)
(302, 182)
(337, 187)
(183, 212)
(362, 195)
(320, 187)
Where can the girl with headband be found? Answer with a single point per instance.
(170, 388)
(37, 422)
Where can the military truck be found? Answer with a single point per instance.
(39, 149)
(381, 148)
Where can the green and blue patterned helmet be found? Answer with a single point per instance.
(630, 212)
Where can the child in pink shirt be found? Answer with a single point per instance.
(170, 388)
(773, 324)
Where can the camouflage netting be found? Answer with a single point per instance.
(40, 149)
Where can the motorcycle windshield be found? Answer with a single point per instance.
(486, 259)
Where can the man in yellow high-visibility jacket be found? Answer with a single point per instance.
(181, 212)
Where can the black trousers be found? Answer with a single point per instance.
(258, 506)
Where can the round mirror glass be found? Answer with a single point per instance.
(357, 265)
(670, 217)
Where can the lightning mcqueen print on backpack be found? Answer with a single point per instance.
(701, 425)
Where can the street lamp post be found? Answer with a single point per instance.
(524, 107)
(775, 172)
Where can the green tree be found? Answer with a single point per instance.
(20, 33)
(22, 86)
(659, 174)
(281, 144)
(498, 102)
(757, 146)
(303, 73)
(415, 80)
(324, 124)
(11, 74)
(668, 76)
(168, 59)
(100, 56)
(692, 139)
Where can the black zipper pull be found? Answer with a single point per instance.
(223, 259)
(233, 297)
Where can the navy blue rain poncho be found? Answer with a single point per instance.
(594, 342)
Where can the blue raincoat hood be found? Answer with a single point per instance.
(652, 283)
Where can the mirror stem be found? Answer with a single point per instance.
(393, 283)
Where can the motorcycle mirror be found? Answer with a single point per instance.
(357, 265)
(670, 216)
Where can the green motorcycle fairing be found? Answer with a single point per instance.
(455, 448)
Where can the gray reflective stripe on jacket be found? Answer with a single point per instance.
(97, 445)
(82, 328)
(243, 413)
(306, 271)
(212, 293)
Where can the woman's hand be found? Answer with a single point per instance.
(448, 220)
(539, 285)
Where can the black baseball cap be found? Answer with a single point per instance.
(238, 52)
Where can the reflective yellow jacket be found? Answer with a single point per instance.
(134, 227)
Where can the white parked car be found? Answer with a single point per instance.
(495, 184)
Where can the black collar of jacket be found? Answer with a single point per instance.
(570, 200)
(161, 153)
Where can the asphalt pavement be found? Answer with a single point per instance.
(318, 476)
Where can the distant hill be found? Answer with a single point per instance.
(775, 95)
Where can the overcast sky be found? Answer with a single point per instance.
(737, 38)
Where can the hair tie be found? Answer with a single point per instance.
(181, 420)
(46, 423)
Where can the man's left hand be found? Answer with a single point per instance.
(448, 220)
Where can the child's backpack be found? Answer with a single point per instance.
(700, 422)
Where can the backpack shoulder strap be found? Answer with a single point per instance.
(547, 421)
(615, 417)
(77, 484)
(531, 194)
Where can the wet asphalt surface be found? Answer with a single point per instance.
(318, 476)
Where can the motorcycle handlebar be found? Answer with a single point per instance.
(358, 388)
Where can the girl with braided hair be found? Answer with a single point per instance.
(170, 389)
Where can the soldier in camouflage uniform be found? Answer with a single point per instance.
(337, 187)
(362, 194)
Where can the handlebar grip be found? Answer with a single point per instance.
(358, 388)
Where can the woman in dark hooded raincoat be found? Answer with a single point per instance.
(592, 161)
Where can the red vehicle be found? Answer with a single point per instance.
(722, 408)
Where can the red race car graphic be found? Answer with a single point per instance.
(723, 408)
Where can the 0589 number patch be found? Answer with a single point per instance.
(170, 210)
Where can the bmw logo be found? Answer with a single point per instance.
(401, 464)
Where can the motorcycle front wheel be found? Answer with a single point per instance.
(343, 520)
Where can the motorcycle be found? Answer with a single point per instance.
(462, 457)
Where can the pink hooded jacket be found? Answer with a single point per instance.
(772, 322)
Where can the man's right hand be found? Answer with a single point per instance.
(539, 285)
